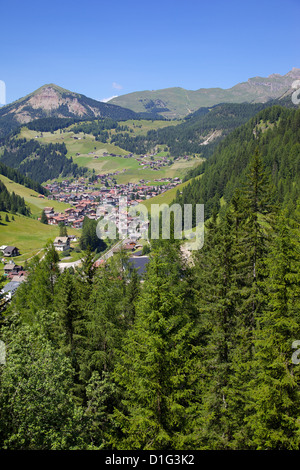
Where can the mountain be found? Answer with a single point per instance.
(178, 102)
(54, 101)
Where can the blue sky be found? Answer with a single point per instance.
(104, 48)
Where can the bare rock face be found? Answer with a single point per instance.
(49, 99)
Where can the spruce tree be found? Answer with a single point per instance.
(155, 369)
(216, 300)
(44, 219)
(275, 389)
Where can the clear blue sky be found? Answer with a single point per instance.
(104, 48)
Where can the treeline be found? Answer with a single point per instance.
(11, 202)
(40, 162)
(95, 127)
(8, 124)
(275, 132)
(50, 124)
(197, 357)
(138, 145)
(99, 128)
(17, 177)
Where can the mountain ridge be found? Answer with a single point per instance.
(177, 102)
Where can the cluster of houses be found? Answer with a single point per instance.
(93, 199)
(87, 201)
(13, 272)
(153, 164)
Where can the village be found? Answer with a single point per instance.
(101, 199)
(96, 199)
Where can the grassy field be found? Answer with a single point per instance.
(168, 196)
(27, 234)
(32, 198)
(143, 126)
(83, 145)
(106, 164)
(178, 169)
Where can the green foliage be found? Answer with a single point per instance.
(63, 232)
(226, 169)
(40, 162)
(277, 379)
(44, 219)
(154, 364)
(50, 124)
(37, 410)
(11, 202)
(198, 355)
(16, 176)
(89, 238)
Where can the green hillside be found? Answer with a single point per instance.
(33, 199)
(29, 235)
(198, 133)
(275, 134)
(179, 102)
(167, 197)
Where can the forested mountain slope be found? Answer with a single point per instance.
(37, 161)
(275, 133)
(199, 133)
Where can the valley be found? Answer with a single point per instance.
(112, 173)
(59, 179)
(107, 163)
(150, 231)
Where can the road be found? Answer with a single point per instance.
(72, 264)
(105, 256)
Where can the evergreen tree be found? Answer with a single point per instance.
(104, 323)
(216, 300)
(155, 370)
(275, 389)
(63, 232)
(69, 329)
(37, 410)
(253, 211)
(44, 219)
(89, 238)
(38, 292)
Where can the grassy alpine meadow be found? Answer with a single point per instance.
(106, 164)
(168, 196)
(34, 200)
(177, 169)
(81, 144)
(27, 234)
(143, 126)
